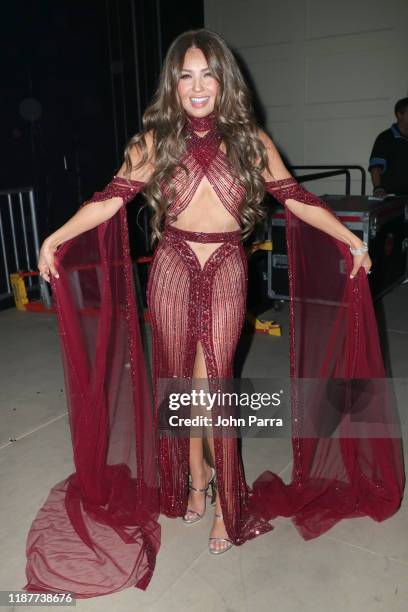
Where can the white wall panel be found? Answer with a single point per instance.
(348, 76)
(330, 18)
(273, 81)
(244, 24)
(326, 72)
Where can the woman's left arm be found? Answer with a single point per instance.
(306, 205)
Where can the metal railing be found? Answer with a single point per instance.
(333, 171)
(19, 243)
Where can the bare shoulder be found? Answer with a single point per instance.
(277, 169)
(270, 151)
(266, 140)
(136, 153)
(142, 169)
(149, 140)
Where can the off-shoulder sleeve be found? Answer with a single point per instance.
(289, 189)
(280, 183)
(117, 187)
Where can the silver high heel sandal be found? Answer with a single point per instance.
(214, 551)
(198, 517)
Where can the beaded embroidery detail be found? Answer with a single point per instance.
(204, 157)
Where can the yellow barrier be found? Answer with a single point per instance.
(19, 291)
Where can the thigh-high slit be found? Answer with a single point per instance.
(191, 301)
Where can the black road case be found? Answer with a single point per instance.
(383, 224)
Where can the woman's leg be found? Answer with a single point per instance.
(199, 467)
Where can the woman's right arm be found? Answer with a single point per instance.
(93, 213)
(297, 200)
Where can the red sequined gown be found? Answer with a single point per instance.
(104, 516)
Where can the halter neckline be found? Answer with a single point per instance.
(204, 149)
(201, 124)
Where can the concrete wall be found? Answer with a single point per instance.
(327, 73)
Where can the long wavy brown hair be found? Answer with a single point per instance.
(165, 117)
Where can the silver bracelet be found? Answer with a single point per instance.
(360, 251)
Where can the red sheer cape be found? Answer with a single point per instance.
(97, 532)
(333, 335)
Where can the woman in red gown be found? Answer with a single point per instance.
(204, 166)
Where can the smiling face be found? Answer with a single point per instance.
(197, 87)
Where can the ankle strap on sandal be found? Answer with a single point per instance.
(196, 489)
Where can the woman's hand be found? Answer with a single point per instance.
(46, 263)
(361, 261)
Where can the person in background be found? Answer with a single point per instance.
(389, 157)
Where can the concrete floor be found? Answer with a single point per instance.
(358, 565)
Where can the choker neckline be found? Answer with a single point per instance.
(202, 124)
